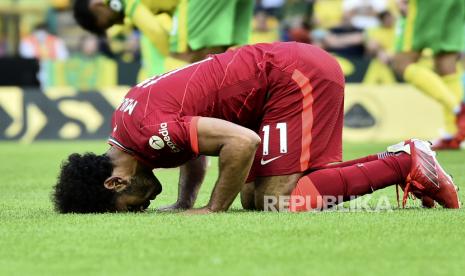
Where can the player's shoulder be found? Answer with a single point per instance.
(158, 6)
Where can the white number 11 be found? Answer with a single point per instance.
(282, 138)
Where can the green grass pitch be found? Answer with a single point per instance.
(34, 240)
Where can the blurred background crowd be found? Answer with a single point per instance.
(48, 56)
(359, 32)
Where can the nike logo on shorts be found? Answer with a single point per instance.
(264, 162)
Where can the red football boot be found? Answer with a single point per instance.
(427, 175)
(426, 201)
(426, 180)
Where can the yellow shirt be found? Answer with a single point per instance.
(155, 6)
(143, 14)
(328, 13)
(384, 36)
(270, 35)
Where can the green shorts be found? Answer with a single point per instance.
(153, 61)
(434, 24)
(208, 23)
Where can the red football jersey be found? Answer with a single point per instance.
(156, 121)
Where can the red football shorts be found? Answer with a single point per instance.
(303, 118)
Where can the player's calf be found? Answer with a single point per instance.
(273, 193)
(248, 196)
(411, 164)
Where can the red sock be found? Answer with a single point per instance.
(352, 162)
(381, 155)
(348, 181)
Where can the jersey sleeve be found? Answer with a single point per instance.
(171, 135)
(150, 24)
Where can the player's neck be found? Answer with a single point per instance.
(124, 164)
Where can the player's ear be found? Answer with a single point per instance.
(115, 183)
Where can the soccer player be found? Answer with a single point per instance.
(97, 16)
(438, 25)
(199, 27)
(209, 27)
(273, 113)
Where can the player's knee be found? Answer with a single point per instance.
(274, 202)
(402, 60)
(274, 193)
(249, 140)
(446, 63)
(255, 140)
(268, 201)
(399, 65)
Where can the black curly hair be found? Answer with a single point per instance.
(80, 186)
(85, 18)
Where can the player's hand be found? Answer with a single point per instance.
(198, 211)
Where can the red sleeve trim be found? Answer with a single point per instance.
(113, 142)
(193, 135)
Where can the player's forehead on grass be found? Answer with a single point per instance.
(111, 182)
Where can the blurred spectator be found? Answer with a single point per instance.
(461, 65)
(379, 45)
(363, 14)
(328, 13)
(3, 41)
(86, 70)
(379, 39)
(124, 43)
(45, 47)
(299, 33)
(265, 21)
(462, 61)
(54, 12)
(61, 22)
(344, 43)
(344, 40)
(89, 46)
(42, 45)
(3, 45)
(297, 20)
(270, 7)
(402, 5)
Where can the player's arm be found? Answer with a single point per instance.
(235, 146)
(150, 25)
(191, 176)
